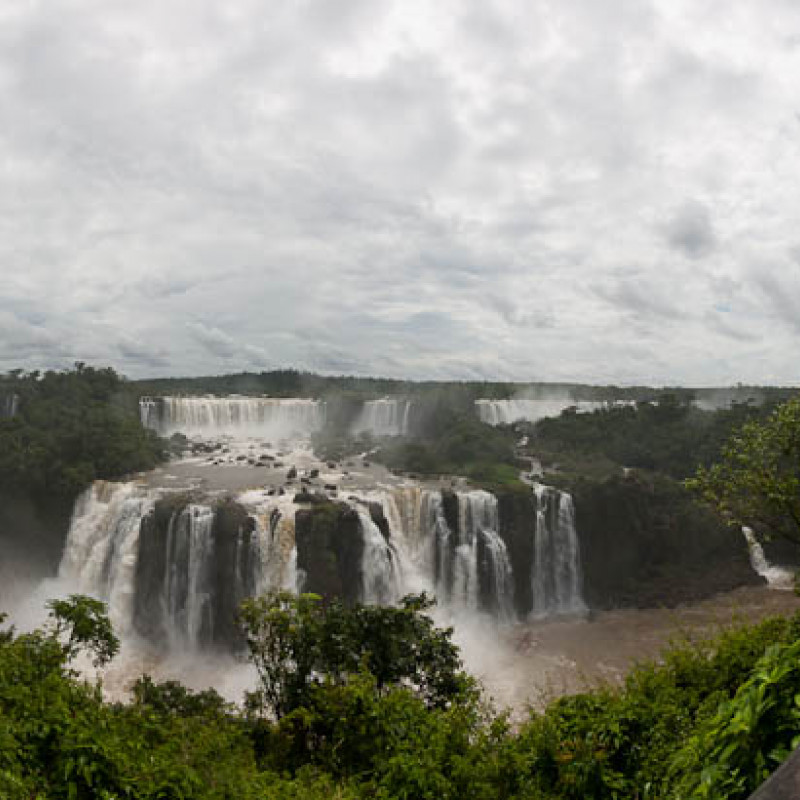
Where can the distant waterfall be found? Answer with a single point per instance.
(504, 412)
(257, 416)
(556, 581)
(777, 577)
(388, 416)
(9, 405)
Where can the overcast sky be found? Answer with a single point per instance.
(533, 190)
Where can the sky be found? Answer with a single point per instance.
(497, 189)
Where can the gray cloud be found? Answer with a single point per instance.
(690, 230)
(402, 188)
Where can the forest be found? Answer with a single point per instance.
(369, 702)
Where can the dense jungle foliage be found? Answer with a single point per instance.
(711, 720)
(69, 429)
(672, 436)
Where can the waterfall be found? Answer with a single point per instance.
(187, 590)
(9, 405)
(381, 581)
(387, 416)
(465, 567)
(777, 577)
(490, 564)
(277, 417)
(556, 573)
(504, 412)
(102, 546)
(174, 569)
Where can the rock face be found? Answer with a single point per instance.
(329, 550)
(516, 512)
(645, 542)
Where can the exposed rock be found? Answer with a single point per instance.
(329, 549)
(305, 496)
(291, 474)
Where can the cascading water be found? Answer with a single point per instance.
(556, 574)
(263, 416)
(775, 576)
(102, 546)
(466, 566)
(380, 567)
(174, 570)
(504, 412)
(388, 416)
(187, 590)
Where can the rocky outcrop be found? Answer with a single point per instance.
(516, 509)
(645, 542)
(329, 550)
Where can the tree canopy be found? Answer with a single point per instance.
(756, 482)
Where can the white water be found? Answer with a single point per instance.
(467, 569)
(277, 417)
(387, 416)
(187, 591)
(776, 577)
(556, 574)
(102, 546)
(380, 567)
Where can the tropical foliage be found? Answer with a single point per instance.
(70, 428)
(757, 479)
(710, 720)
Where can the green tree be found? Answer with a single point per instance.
(757, 480)
(80, 622)
(297, 643)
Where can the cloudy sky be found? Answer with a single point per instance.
(512, 189)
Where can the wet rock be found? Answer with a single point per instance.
(305, 496)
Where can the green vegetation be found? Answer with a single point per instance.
(344, 708)
(671, 436)
(457, 445)
(71, 428)
(757, 480)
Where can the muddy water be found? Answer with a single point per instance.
(537, 662)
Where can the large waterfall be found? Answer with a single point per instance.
(556, 573)
(171, 569)
(258, 416)
(175, 564)
(463, 561)
(388, 416)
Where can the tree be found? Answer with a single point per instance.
(297, 643)
(757, 481)
(80, 622)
